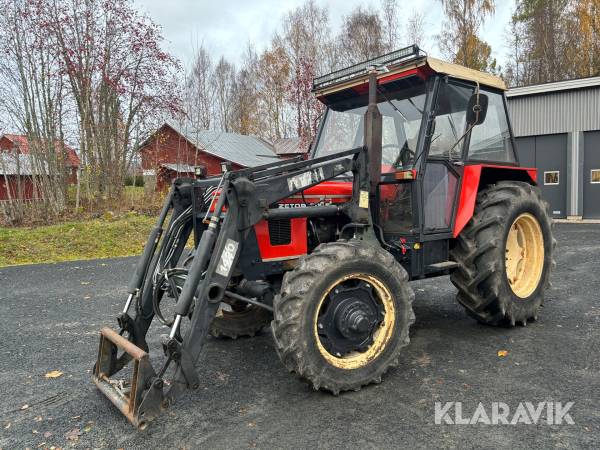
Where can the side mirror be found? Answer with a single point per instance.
(477, 109)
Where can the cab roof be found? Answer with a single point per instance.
(409, 60)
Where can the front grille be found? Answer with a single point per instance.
(280, 231)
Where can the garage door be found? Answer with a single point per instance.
(548, 153)
(591, 175)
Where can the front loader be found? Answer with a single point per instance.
(413, 175)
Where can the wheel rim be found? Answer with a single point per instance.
(352, 319)
(524, 255)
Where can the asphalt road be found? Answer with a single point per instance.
(50, 316)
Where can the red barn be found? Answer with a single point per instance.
(20, 144)
(16, 173)
(174, 151)
(16, 177)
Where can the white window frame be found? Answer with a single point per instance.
(592, 177)
(552, 184)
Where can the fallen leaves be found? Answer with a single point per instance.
(53, 374)
(502, 353)
(73, 435)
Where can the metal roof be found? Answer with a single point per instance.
(22, 142)
(247, 151)
(464, 73)
(13, 164)
(179, 168)
(289, 146)
(555, 86)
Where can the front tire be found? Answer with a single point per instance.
(505, 255)
(343, 316)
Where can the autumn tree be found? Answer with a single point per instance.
(223, 80)
(247, 119)
(459, 39)
(391, 24)
(586, 31)
(34, 98)
(415, 29)
(545, 41)
(200, 91)
(273, 74)
(362, 36)
(120, 79)
(306, 40)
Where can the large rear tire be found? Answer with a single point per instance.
(343, 316)
(505, 255)
(239, 320)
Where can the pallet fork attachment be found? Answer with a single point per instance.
(128, 398)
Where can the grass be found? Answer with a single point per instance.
(95, 238)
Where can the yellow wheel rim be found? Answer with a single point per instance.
(381, 337)
(524, 255)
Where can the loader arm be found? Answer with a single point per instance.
(243, 198)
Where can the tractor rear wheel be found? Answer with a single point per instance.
(505, 255)
(237, 319)
(343, 315)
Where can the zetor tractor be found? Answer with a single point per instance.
(413, 174)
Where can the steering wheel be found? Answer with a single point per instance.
(404, 156)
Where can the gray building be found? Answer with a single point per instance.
(557, 129)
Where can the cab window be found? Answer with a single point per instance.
(490, 141)
(450, 120)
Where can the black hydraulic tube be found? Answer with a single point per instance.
(309, 211)
(138, 277)
(203, 253)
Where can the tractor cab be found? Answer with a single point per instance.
(437, 120)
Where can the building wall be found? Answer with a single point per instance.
(13, 184)
(6, 144)
(168, 146)
(573, 112)
(555, 112)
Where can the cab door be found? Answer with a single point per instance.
(445, 157)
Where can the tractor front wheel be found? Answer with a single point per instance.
(343, 315)
(505, 255)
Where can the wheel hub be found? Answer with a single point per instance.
(524, 255)
(350, 320)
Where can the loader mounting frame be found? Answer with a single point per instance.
(237, 202)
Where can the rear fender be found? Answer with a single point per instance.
(475, 177)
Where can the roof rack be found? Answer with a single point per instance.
(397, 56)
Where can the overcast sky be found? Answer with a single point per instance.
(225, 27)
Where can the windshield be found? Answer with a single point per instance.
(401, 109)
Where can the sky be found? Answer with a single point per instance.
(226, 27)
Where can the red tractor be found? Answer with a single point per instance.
(413, 174)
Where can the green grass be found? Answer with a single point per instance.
(97, 238)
